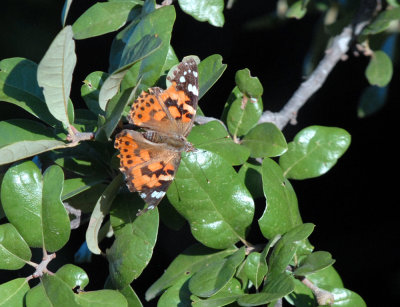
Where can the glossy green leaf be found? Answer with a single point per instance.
(177, 295)
(159, 23)
(228, 294)
(327, 278)
(347, 298)
(314, 262)
(281, 212)
(250, 174)
(256, 268)
(73, 276)
(296, 10)
(210, 70)
(14, 252)
(19, 86)
(190, 261)
(55, 220)
(265, 140)
(382, 21)
(170, 61)
(314, 151)
(277, 288)
(213, 137)
(54, 74)
(301, 296)
(205, 10)
(99, 212)
(135, 238)
(90, 90)
(380, 69)
(132, 53)
(36, 297)
(29, 199)
(242, 113)
(58, 292)
(213, 278)
(286, 248)
(106, 298)
(223, 210)
(102, 18)
(12, 293)
(247, 84)
(131, 297)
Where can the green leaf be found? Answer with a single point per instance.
(286, 248)
(250, 174)
(213, 137)
(248, 85)
(205, 10)
(135, 238)
(131, 297)
(347, 298)
(19, 86)
(223, 210)
(373, 98)
(256, 268)
(177, 295)
(106, 298)
(74, 186)
(132, 53)
(243, 113)
(57, 291)
(73, 276)
(55, 220)
(159, 23)
(90, 91)
(169, 216)
(314, 151)
(296, 10)
(227, 295)
(190, 261)
(281, 212)
(275, 289)
(265, 140)
(213, 278)
(36, 297)
(380, 69)
(327, 278)
(314, 262)
(99, 212)
(22, 138)
(301, 296)
(382, 21)
(210, 70)
(29, 199)
(14, 252)
(54, 74)
(102, 18)
(12, 293)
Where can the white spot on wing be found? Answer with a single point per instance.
(157, 194)
(193, 89)
(182, 79)
(195, 74)
(143, 195)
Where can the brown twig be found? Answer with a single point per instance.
(41, 268)
(323, 297)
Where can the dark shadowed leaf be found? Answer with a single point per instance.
(90, 91)
(256, 268)
(13, 249)
(314, 262)
(177, 295)
(105, 17)
(210, 195)
(54, 74)
(210, 70)
(382, 21)
(314, 151)
(250, 174)
(191, 260)
(373, 98)
(18, 85)
(135, 238)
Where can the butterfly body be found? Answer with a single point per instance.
(150, 159)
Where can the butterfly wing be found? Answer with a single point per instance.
(149, 167)
(171, 111)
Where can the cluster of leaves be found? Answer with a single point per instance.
(238, 161)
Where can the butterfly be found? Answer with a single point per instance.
(150, 159)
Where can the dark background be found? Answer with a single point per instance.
(354, 206)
